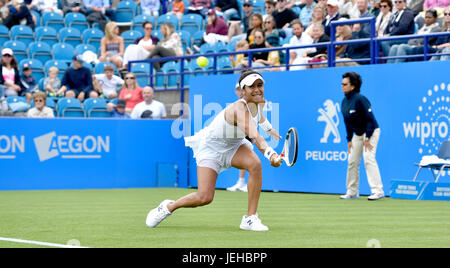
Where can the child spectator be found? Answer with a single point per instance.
(241, 59)
(177, 9)
(29, 85)
(118, 110)
(109, 82)
(52, 83)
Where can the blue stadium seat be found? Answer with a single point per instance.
(192, 23)
(62, 51)
(167, 18)
(70, 107)
(171, 69)
(47, 35)
(40, 51)
(129, 37)
(225, 65)
(54, 20)
(81, 48)
(93, 37)
(258, 6)
(207, 48)
(100, 67)
(19, 49)
(76, 20)
(139, 19)
(16, 99)
(141, 70)
(95, 107)
(125, 12)
(70, 36)
(195, 68)
(158, 34)
(185, 37)
(220, 47)
(22, 32)
(37, 15)
(61, 65)
(36, 66)
(4, 34)
(197, 37)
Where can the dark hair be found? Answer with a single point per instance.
(13, 62)
(355, 80)
(145, 23)
(433, 12)
(388, 2)
(247, 72)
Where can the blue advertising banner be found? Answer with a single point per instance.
(420, 190)
(410, 102)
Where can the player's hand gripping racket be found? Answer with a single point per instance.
(290, 148)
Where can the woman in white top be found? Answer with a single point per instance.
(223, 145)
(169, 46)
(384, 17)
(144, 46)
(40, 110)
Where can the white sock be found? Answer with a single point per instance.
(241, 181)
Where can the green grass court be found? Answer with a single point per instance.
(116, 218)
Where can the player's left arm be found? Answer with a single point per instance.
(266, 126)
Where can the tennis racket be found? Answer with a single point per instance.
(290, 148)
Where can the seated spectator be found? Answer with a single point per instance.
(256, 23)
(216, 30)
(97, 10)
(118, 110)
(318, 36)
(109, 82)
(199, 7)
(48, 6)
(52, 83)
(73, 6)
(227, 8)
(177, 9)
(364, 13)
(298, 39)
(271, 32)
(263, 59)
(13, 13)
(112, 45)
(415, 46)
(438, 5)
(149, 7)
(269, 6)
(29, 84)
(149, 108)
(40, 110)
(401, 24)
(240, 60)
(237, 29)
(443, 42)
(169, 46)
(131, 92)
(283, 16)
(306, 12)
(358, 50)
(77, 81)
(10, 83)
(384, 17)
(142, 47)
(333, 14)
(318, 15)
(343, 32)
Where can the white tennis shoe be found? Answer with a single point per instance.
(252, 223)
(158, 214)
(237, 187)
(374, 197)
(348, 197)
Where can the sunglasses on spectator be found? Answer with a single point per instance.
(446, 14)
(38, 100)
(398, 2)
(6, 55)
(132, 78)
(382, 6)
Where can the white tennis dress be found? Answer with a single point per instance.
(215, 145)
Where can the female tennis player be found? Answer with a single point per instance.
(223, 145)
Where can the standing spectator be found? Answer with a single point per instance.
(40, 109)
(112, 45)
(443, 42)
(333, 14)
(199, 7)
(52, 83)
(10, 84)
(29, 84)
(228, 8)
(364, 13)
(142, 47)
(177, 9)
(384, 17)
(73, 6)
(363, 134)
(77, 81)
(109, 82)
(48, 6)
(131, 92)
(149, 108)
(306, 12)
(283, 16)
(298, 39)
(118, 110)
(150, 7)
(169, 46)
(236, 29)
(401, 24)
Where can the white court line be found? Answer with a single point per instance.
(14, 240)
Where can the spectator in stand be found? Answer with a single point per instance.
(236, 29)
(216, 30)
(384, 17)
(364, 13)
(109, 82)
(177, 9)
(169, 46)
(298, 39)
(77, 81)
(263, 59)
(318, 15)
(333, 14)
(14, 12)
(416, 46)
(131, 92)
(343, 32)
(150, 7)
(443, 42)
(269, 6)
(227, 8)
(40, 109)
(48, 6)
(438, 5)
(199, 7)
(142, 47)
(149, 108)
(118, 110)
(401, 24)
(241, 60)
(99, 6)
(52, 83)
(112, 45)
(271, 31)
(284, 16)
(256, 23)
(73, 6)
(10, 83)
(374, 7)
(29, 84)
(306, 12)
(318, 36)
(358, 50)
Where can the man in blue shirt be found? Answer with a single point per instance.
(101, 6)
(77, 81)
(306, 13)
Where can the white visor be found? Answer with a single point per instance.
(250, 79)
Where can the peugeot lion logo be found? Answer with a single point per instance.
(327, 115)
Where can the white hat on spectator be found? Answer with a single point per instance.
(7, 51)
(332, 3)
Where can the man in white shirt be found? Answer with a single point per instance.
(109, 82)
(296, 56)
(149, 108)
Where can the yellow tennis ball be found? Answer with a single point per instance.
(202, 61)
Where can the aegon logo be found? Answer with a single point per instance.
(10, 145)
(75, 147)
(432, 121)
